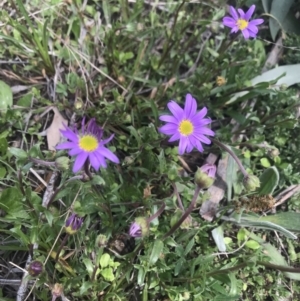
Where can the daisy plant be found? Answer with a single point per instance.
(88, 146)
(187, 125)
(240, 20)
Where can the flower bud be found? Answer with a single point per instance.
(78, 104)
(220, 81)
(205, 175)
(73, 224)
(57, 291)
(62, 163)
(101, 241)
(251, 182)
(35, 268)
(140, 228)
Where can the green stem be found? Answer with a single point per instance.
(185, 214)
(233, 155)
(61, 246)
(157, 213)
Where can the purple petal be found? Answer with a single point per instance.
(105, 141)
(234, 29)
(101, 159)
(75, 151)
(242, 14)
(200, 114)
(250, 12)
(200, 122)
(204, 131)
(252, 34)
(169, 129)
(233, 13)
(175, 137)
(168, 118)
(252, 28)
(246, 34)
(256, 22)
(195, 142)
(66, 145)
(176, 110)
(69, 134)
(94, 161)
(202, 138)
(79, 162)
(107, 154)
(199, 146)
(190, 107)
(229, 22)
(189, 147)
(183, 142)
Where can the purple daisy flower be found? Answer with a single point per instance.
(236, 23)
(187, 125)
(88, 145)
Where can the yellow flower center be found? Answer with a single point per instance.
(88, 143)
(186, 128)
(242, 24)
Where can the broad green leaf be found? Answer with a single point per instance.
(104, 260)
(252, 244)
(108, 274)
(251, 221)
(156, 251)
(268, 181)
(291, 23)
(267, 5)
(279, 11)
(278, 259)
(255, 221)
(265, 162)
(88, 265)
(289, 75)
(17, 152)
(18, 233)
(6, 97)
(218, 236)
(289, 220)
(141, 275)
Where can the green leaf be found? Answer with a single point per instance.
(269, 181)
(279, 11)
(218, 236)
(286, 75)
(88, 265)
(265, 162)
(11, 203)
(108, 274)
(104, 260)
(278, 259)
(289, 220)
(6, 96)
(252, 244)
(267, 5)
(156, 251)
(189, 246)
(17, 152)
(18, 233)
